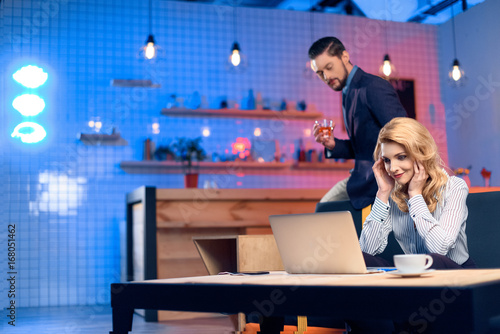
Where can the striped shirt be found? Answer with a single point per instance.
(419, 231)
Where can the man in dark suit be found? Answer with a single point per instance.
(368, 103)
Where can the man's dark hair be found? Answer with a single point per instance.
(332, 44)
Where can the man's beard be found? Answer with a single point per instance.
(342, 82)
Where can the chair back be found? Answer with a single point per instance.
(483, 229)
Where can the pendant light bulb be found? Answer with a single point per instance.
(456, 72)
(236, 62)
(387, 69)
(456, 75)
(235, 55)
(235, 58)
(150, 48)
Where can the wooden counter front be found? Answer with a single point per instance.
(161, 224)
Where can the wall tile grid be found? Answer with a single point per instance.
(472, 111)
(68, 199)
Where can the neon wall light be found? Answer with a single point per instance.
(30, 76)
(29, 105)
(29, 132)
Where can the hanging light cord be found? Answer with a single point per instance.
(386, 43)
(234, 23)
(453, 30)
(311, 21)
(150, 15)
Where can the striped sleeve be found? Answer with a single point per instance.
(440, 235)
(376, 228)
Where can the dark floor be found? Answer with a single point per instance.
(97, 319)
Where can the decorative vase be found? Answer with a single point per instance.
(486, 181)
(191, 180)
(486, 174)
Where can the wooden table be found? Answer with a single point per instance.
(161, 225)
(448, 301)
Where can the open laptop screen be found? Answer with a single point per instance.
(318, 243)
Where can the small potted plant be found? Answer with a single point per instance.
(187, 151)
(164, 152)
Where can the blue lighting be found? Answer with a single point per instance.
(29, 104)
(29, 132)
(30, 76)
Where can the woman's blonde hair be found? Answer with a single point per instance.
(420, 146)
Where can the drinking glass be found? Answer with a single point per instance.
(325, 127)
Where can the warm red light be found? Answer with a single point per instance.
(241, 147)
(238, 147)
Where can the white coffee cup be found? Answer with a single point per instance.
(412, 263)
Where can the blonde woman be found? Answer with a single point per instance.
(416, 199)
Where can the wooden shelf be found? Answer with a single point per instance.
(179, 112)
(204, 167)
(114, 139)
(230, 167)
(134, 83)
(325, 165)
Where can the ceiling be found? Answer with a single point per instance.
(419, 11)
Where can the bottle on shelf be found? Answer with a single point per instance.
(259, 102)
(147, 149)
(250, 102)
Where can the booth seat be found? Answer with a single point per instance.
(483, 227)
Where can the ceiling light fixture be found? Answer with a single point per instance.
(387, 69)
(456, 74)
(150, 49)
(235, 54)
(236, 60)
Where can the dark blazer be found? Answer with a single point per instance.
(370, 103)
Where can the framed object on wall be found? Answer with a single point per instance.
(406, 92)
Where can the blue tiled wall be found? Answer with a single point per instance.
(472, 111)
(67, 199)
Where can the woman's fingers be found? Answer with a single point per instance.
(420, 172)
(384, 181)
(376, 167)
(417, 183)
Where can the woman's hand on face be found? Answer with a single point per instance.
(328, 142)
(417, 182)
(385, 183)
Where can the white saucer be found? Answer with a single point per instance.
(417, 274)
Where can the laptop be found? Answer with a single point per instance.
(318, 243)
